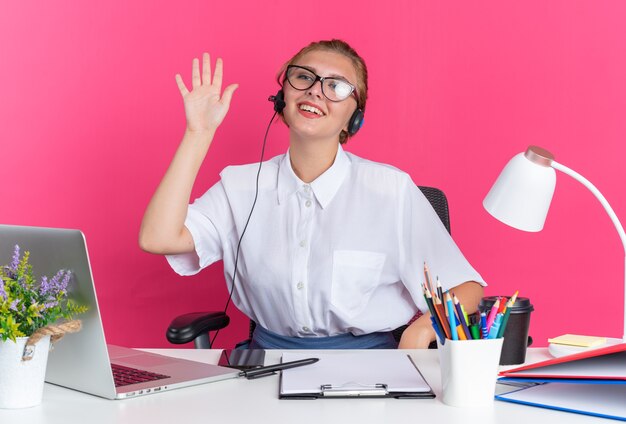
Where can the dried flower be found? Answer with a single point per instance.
(26, 306)
(3, 293)
(16, 259)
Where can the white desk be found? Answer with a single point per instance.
(256, 401)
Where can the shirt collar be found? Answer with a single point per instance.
(324, 187)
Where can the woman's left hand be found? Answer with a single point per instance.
(418, 335)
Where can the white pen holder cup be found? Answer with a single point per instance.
(469, 370)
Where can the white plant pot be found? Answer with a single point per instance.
(21, 382)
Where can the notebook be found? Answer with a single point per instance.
(83, 361)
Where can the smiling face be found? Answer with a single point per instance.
(309, 114)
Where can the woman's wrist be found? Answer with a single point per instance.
(418, 335)
(201, 132)
(199, 137)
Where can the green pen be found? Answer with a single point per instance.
(475, 331)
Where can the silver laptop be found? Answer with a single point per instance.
(83, 361)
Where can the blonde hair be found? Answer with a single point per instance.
(343, 48)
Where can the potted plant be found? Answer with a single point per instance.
(32, 315)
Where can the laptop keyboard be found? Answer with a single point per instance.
(124, 376)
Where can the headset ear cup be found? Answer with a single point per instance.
(355, 122)
(279, 101)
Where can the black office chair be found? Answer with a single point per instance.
(196, 326)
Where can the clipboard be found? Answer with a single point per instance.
(364, 374)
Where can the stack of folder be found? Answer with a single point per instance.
(591, 383)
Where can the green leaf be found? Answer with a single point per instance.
(30, 312)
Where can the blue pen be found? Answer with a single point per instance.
(453, 324)
(438, 330)
(483, 325)
(495, 327)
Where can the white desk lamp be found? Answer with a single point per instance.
(521, 196)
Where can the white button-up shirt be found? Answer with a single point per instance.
(344, 253)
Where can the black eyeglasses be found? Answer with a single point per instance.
(334, 89)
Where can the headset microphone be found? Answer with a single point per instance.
(354, 124)
(278, 100)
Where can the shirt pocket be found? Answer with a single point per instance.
(356, 273)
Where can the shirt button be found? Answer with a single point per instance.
(300, 285)
(302, 243)
(306, 329)
(307, 188)
(308, 203)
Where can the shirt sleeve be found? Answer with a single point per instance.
(208, 220)
(424, 239)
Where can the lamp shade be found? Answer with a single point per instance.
(521, 195)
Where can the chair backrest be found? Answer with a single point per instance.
(439, 202)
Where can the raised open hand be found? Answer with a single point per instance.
(205, 105)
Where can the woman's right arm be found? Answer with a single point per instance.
(163, 228)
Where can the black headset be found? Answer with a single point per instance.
(354, 124)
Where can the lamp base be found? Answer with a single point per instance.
(559, 350)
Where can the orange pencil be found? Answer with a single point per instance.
(441, 314)
(461, 333)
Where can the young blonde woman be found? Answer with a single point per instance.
(334, 250)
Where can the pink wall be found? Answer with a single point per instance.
(90, 117)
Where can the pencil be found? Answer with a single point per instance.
(442, 339)
(431, 308)
(503, 302)
(467, 321)
(459, 312)
(505, 318)
(461, 333)
(439, 289)
(441, 313)
(495, 327)
(451, 317)
(427, 277)
(428, 299)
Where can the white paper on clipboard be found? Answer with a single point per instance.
(353, 371)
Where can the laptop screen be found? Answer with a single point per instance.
(79, 360)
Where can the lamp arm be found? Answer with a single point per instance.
(575, 175)
(618, 225)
